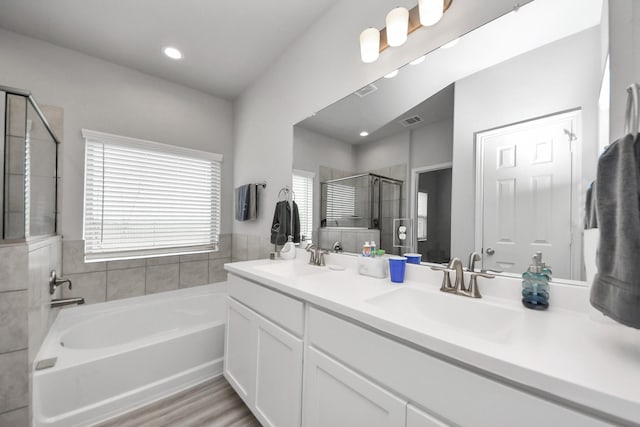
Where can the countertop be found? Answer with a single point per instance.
(561, 352)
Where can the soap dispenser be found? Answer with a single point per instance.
(535, 284)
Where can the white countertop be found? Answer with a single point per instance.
(560, 351)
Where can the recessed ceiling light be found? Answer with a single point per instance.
(452, 43)
(172, 52)
(391, 74)
(364, 133)
(418, 60)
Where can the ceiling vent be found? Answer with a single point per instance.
(410, 121)
(368, 89)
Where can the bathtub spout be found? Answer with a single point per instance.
(66, 301)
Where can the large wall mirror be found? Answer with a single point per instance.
(486, 144)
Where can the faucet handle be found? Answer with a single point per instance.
(321, 255)
(474, 291)
(446, 280)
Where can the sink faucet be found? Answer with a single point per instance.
(459, 288)
(316, 255)
(475, 256)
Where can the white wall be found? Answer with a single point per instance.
(432, 144)
(500, 95)
(103, 96)
(390, 151)
(322, 66)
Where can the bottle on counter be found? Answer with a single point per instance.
(374, 249)
(366, 249)
(535, 284)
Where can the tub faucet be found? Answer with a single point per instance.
(55, 281)
(61, 302)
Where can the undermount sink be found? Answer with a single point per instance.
(290, 269)
(472, 317)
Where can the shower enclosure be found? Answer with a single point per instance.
(28, 161)
(360, 207)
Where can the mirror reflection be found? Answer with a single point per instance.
(488, 144)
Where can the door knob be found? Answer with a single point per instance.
(490, 251)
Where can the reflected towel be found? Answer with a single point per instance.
(247, 202)
(616, 287)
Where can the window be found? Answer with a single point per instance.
(423, 199)
(303, 190)
(144, 199)
(341, 203)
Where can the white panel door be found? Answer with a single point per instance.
(240, 350)
(418, 418)
(334, 395)
(526, 186)
(278, 396)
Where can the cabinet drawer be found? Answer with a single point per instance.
(280, 309)
(460, 396)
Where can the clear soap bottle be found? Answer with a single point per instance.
(535, 285)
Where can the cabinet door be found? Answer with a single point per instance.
(334, 395)
(240, 350)
(418, 418)
(278, 395)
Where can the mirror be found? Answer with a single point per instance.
(494, 139)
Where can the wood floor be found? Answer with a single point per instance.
(212, 404)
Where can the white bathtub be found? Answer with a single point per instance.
(119, 355)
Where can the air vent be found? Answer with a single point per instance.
(410, 121)
(368, 89)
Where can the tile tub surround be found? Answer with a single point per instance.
(112, 280)
(25, 318)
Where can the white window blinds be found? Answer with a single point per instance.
(423, 199)
(341, 203)
(145, 199)
(303, 189)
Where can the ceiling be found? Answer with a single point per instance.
(226, 44)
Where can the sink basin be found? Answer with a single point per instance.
(474, 317)
(290, 269)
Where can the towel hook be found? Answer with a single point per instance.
(632, 113)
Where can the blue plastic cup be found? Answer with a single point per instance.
(397, 266)
(413, 258)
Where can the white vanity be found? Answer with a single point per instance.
(309, 346)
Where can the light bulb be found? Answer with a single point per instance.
(430, 11)
(391, 74)
(172, 52)
(369, 45)
(397, 26)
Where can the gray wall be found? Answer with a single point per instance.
(102, 96)
(486, 100)
(432, 144)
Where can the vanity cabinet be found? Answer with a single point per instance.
(335, 395)
(263, 361)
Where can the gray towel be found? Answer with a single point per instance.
(590, 217)
(616, 287)
(247, 202)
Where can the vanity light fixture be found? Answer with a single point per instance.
(391, 74)
(364, 133)
(400, 22)
(172, 52)
(397, 26)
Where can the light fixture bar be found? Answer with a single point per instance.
(414, 24)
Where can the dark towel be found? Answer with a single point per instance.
(616, 287)
(590, 217)
(247, 202)
(281, 225)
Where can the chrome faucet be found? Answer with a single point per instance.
(55, 281)
(336, 247)
(459, 288)
(475, 256)
(316, 255)
(61, 302)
